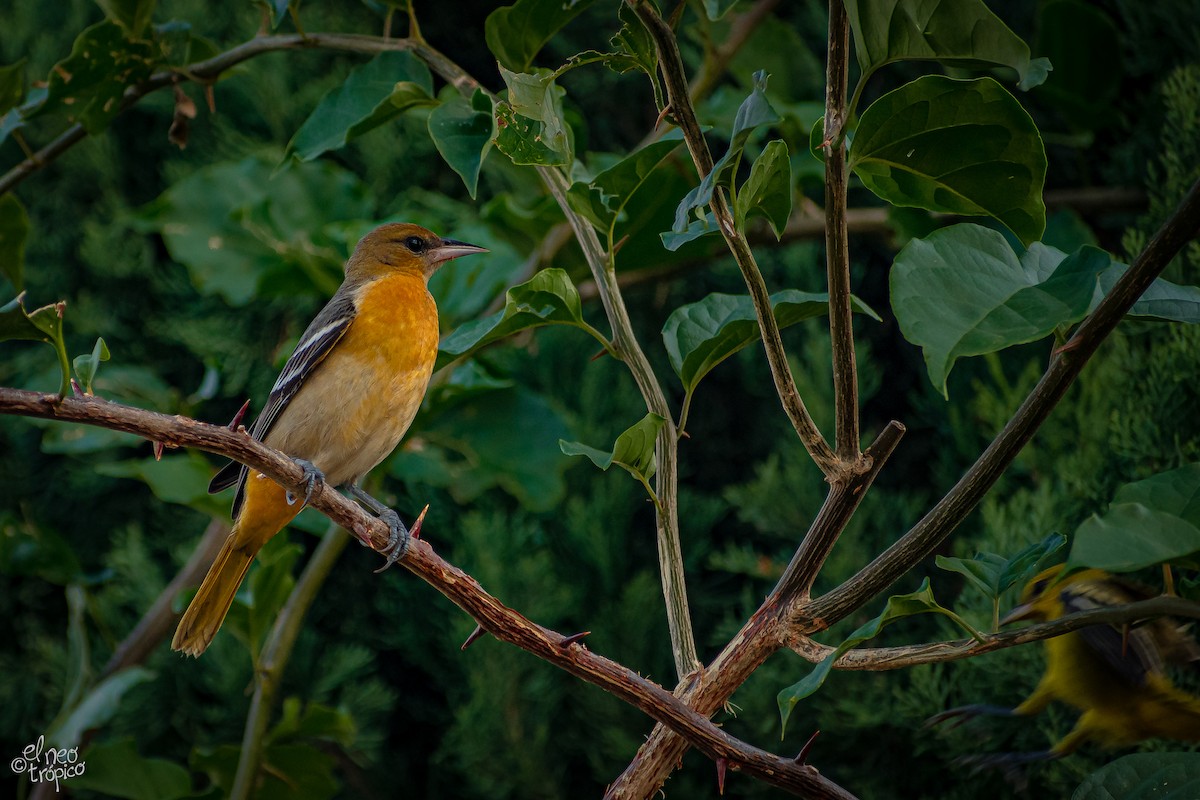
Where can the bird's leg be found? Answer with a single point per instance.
(964, 713)
(313, 478)
(399, 536)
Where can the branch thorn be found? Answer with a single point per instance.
(802, 756)
(567, 641)
(158, 450)
(476, 634)
(237, 418)
(722, 765)
(415, 530)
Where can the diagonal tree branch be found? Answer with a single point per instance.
(460, 588)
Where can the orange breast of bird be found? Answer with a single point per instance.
(354, 408)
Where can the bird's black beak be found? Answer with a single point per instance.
(1021, 612)
(450, 249)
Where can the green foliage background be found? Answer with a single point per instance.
(570, 547)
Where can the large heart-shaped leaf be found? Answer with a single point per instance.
(375, 93)
(962, 291)
(961, 147)
(953, 32)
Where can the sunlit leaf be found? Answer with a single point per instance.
(633, 451)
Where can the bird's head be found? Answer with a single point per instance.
(1042, 597)
(405, 247)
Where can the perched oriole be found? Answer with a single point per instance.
(1114, 675)
(346, 395)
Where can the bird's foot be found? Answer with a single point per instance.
(398, 538)
(313, 478)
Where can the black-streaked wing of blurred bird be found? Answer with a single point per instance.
(1114, 675)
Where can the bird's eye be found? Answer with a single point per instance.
(415, 243)
(1039, 587)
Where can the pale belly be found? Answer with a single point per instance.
(357, 405)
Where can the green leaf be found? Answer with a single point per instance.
(1162, 300)
(602, 199)
(43, 325)
(1030, 560)
(1130, 536)
(375, 93)
(701, 335)
(531, 124)
(14, 231)
(898, 607)
(516, 33)
(635, 41)
(178, 478)
(288, 771)
(239, 226)
(673, 240)
(547, 298)
(132, 15)
(754, 112)
(116, 769)
(97, 707)
(960, 147)
(633, 451)
(957, 33)
(462, 131)
(768, 190)
(311, 721)
(87, 86)
(12, 88)
(962, 291)
(1175, 491)
(983, 571)
(87, 365)
(1144, 776)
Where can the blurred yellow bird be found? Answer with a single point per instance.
(1114, 675)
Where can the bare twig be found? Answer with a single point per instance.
(837, 252)
(671, 67)
(877, 659)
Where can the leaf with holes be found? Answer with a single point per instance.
(516, 33)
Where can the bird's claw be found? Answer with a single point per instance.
(398, 538)
(964, 714)
(313, 477)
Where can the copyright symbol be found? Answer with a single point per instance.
(19, 764)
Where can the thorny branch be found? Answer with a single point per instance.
(461, 589)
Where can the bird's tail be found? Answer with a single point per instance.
(208, 608)
(265, 511)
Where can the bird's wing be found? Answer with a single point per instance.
(318, 339)
(1131, 651)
